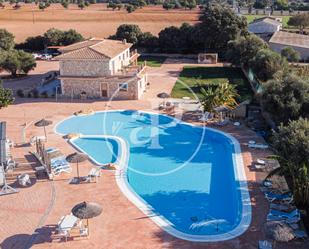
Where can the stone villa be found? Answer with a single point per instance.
(101, 68)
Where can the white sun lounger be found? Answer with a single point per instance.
(258, 146)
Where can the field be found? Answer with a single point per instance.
(95, 20)
(285, 19)
(193, 77)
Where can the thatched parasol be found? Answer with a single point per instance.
(87, 210)
(43, 123)
(77, 157)
(279, 231)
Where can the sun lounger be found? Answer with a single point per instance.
(258, 146)
(205, 117)
(300, 234)
(66, 224)
(273, 196)
(286, 220)
(264, 244)
(289, 215)
(93, 175)
(282, 207)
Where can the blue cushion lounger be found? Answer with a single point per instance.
(272, 196)
(294, 213)
(284, 219)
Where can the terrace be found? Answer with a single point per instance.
(31, 219)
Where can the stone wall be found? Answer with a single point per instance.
(84, 68)
(92, 87)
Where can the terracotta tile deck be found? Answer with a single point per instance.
(30, 216)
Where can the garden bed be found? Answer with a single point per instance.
(194, 77)
(152, 61)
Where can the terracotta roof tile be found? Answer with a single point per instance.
(94, 49)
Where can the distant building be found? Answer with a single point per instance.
(265, 25)
(298, 42)
(101, 68)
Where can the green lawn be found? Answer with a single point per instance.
(192, 77)
(285, 19)
(152, 61)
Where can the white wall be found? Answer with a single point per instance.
(116, 63)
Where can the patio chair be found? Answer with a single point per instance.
(264, 244)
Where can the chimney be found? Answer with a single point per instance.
(124, 41)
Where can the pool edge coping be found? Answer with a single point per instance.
(160, 220)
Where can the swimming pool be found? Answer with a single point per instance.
(189, 180)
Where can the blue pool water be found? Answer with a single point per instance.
(185, 173)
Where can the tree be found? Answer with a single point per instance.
(43, 5)
(69, 37)
(221, 94)
(130, 32)
(93, 1)
(6, 96)
(301, 21)
(242, 50)
(27, 62)
(53, 36)
(130, 8)
(218, 25)
(81, 4)
(290, 54)
(15, 61)
(281, 4)
(291, 144)
(286, 98)
(267, 63)
(6, 40)
(177, 40)
(168, 4)
(65, 4)
(148, 40)
(36, 43)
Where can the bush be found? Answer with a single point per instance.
(130, 8)
(35, 93)
(20, 93)
(6, 96)
(44, 94)
(290, 54)
(267, 63)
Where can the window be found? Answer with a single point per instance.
(123, 56)
(123, 87)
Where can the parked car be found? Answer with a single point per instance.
(46, 57)
(37, 56)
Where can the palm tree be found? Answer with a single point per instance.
(214, 95)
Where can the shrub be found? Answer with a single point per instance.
(44, 94)
(20, 93)
(35, 93)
